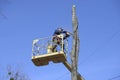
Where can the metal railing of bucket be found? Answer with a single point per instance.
(40, 45)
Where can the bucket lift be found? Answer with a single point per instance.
(43, 53)
(45, 50)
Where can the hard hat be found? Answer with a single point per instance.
(59, 29)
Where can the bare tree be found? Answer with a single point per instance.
(14, 74)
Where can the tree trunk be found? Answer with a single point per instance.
(75, 44)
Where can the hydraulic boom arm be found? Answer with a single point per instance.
(69, 68)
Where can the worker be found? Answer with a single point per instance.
(57, 40)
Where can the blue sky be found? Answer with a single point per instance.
(99, 32)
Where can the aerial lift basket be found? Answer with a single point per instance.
(45, 50)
